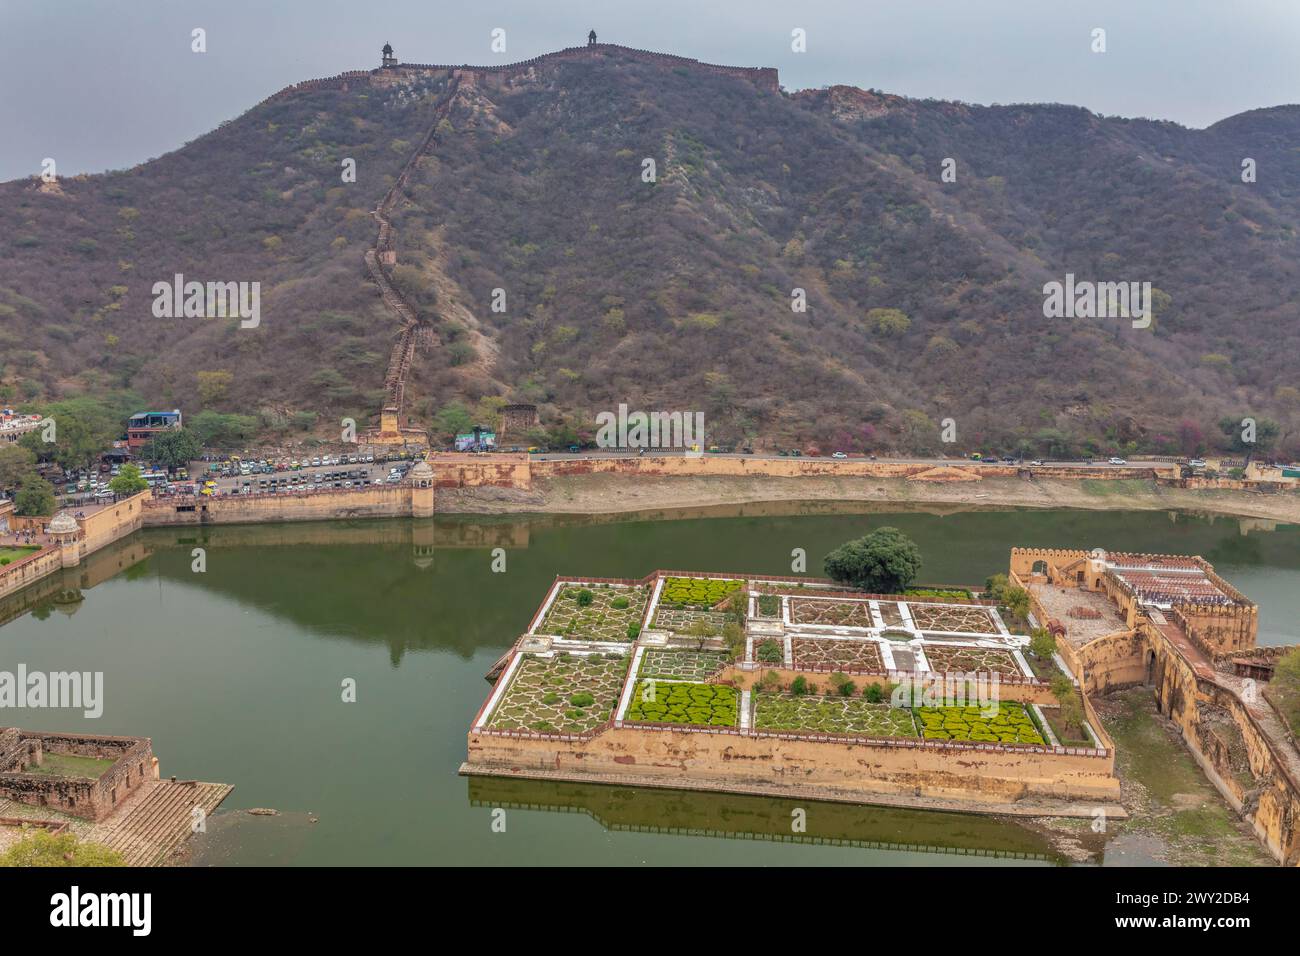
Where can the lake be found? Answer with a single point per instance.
(236, 674)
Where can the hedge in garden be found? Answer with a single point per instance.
(664, 702)
(1011, 724)
(697, 592)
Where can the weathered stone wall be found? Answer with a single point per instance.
(376, 501)
(987, 776)
(1108, 663)
(29, 570)
(91, 799)
(112, 522)
(1216, 629)
(1229, 743)
(731, 466)
(454, 470)
(35, 523)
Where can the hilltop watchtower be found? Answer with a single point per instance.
(591, 38)
(389, 59)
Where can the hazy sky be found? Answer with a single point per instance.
(105, 84)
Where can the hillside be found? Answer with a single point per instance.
(924, 297)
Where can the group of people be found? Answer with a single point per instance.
(20, 539)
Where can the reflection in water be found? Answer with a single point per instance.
(695, 814)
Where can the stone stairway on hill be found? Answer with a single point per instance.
(383, 256)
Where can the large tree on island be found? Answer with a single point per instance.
(884, 562)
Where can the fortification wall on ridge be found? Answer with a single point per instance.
(764, 77)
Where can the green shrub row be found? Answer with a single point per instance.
(659, 702)
(697, 592)
(1011, 724)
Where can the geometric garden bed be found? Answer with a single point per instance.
(599, 612)
(1010, 722)
(832, 715)
(851, 656)
(666, 702)
(989, 660)
(563, 694)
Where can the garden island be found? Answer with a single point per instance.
(926, 697)
(941, 697)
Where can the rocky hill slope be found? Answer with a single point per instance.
(924, 296)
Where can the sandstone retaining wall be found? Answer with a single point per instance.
(379, 501)
(29, 570)
(739, 759)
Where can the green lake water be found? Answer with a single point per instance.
(236, 674)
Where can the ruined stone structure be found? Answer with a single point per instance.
(516, 422)
(1171, 623)
(92, 798)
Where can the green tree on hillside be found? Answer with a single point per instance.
(1285, 686)
(17, 464)
(83, 428)
(175, 449)
(885, 561)
(1266, 434)
(213, 386)
(218, 429)
(451, 420)
(889, 322)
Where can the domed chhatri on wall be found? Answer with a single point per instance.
(389, 59)
(63, 523)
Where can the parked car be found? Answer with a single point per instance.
(1197, 463)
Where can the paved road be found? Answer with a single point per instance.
(381, 469)
(667, 452)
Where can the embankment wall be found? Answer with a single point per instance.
(775, 761)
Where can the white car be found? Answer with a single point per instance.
(839, 454)
(1118, 461)
(1196, 463)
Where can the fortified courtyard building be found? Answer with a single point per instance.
(1172, 623)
